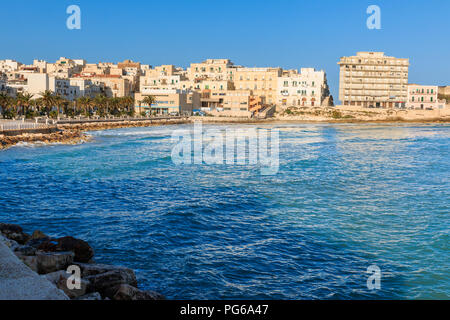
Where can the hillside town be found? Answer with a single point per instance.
(214, 87)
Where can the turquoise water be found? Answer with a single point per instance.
(347, 196)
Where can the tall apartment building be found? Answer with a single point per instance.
(371, 79)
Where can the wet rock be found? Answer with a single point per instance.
(25, 250)
(8, 242)
(48, 262)
(62, 280)
(35, 243)
(94, 269)
(14, 232)
(127, 292)
(83, 251)
(37, 238)
(107, 283)
(37, 234)
(91, 296)
(30, 262)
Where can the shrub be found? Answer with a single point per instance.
(336, 114)
(53, 114)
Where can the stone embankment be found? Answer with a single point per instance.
(63, 137)
(34, 267)
(75, 133)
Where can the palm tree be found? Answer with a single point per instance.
(47, 100)
(149, 100)
(128, 104)
(5, 103)
(101, 102)
(85, 103)
(22, 102)
(61, 103)
(115, 105)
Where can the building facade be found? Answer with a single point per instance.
(309, 88)
(215, 69)
(168, 101)
(262, 82)
(371, 79)
(422, 97)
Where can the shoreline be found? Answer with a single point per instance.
(72, 134)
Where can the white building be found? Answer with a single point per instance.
(309, 88)
(423, 97)
(40, 82)
(9, 65)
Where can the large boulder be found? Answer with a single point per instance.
(88, 269)
(60, 280)
(25, 250)
(30, 262)
(14, 232)
(37, 238)
(11, 244)
(38, 234)
(127, 292)
(107, 283)
(82, 250)
(48, 262)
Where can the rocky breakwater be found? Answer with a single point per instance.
(63, 137)
(53, 257)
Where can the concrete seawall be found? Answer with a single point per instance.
(18, 282)
(11, 133)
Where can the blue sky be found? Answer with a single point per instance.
(289, 34)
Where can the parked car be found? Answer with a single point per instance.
(199, 113)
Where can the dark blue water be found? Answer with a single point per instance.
(346, 197)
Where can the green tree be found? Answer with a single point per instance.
(149, 100)
(48, 101)
(84, 103)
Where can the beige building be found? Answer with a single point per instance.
(309, 88)
(262, 82)
(371, 79)
(239, 103)
(64, 68)
(168, 101)
(113, 85)
(38, 83)
(215, 69)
